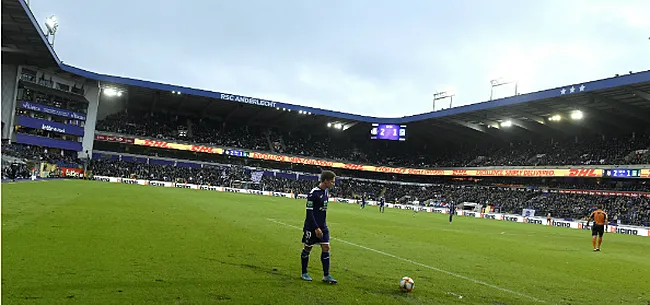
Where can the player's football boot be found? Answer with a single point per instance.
(306, 277)
(329, 279)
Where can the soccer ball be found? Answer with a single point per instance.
(406, 284)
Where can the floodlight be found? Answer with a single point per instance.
(52, 24)
(500, 81)
(440, 95)
(577, 115)
(109, 91)
(338, 126)
(555, 118)
(329, 124)
(506, 124)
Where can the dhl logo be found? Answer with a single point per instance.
(159, 144)
(204, 149)
(585, 172)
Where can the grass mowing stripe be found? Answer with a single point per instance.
(423, 265)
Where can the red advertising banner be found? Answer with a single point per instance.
(178, 146)
(71, 172)
(115, 139)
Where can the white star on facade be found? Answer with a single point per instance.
(582, 88)
(573, 89)
(563, 91)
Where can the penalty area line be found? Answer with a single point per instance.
(423, 265)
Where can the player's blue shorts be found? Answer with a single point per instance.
(309, 238)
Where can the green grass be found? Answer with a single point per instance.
(78, 242)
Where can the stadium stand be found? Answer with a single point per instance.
(61, 115)
(594, 150)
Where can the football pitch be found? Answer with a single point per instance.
(86, 242)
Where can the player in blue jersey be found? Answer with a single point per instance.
(382, 204)
(315, 231)
(452, 211)
(363, 201)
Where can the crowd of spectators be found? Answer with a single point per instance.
(53, 100)
(14, 169)
(627, 210)
(571, 151)
(18, 159)
(511, 199)
(174, 127)
(213, 175)
(41, 154)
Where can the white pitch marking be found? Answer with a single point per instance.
(423, 265)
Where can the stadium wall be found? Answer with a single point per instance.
(9, 85)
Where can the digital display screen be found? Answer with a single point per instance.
(237, 153)
(390, 132)
(623, 173)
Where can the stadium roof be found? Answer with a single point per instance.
(616, 103)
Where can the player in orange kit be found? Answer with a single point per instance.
(599, 227)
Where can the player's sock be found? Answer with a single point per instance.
(593, 242)
(600, 241)
(304, 257)
(325, 259)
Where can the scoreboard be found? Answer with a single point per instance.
(388, 132)
(237, 153)
(622, 173)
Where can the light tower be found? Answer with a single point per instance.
(51, 24)
(441, 95)
(500, 82)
